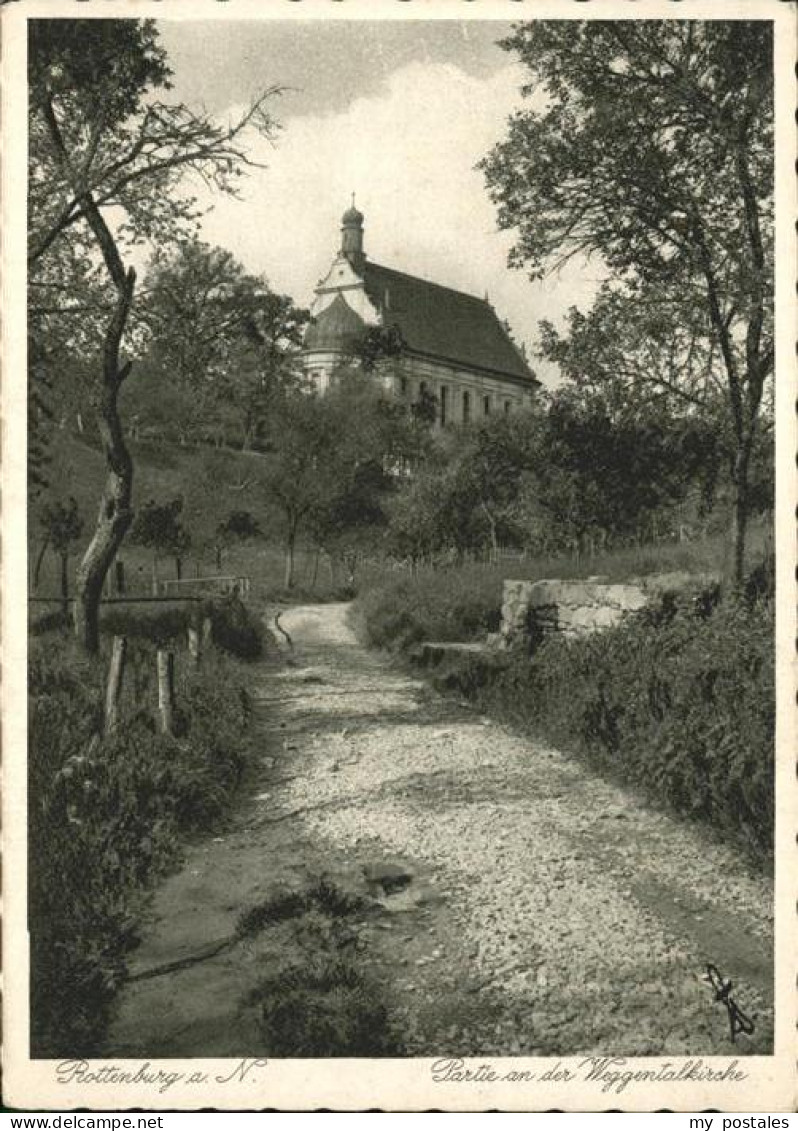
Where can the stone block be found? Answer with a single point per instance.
(573, 607)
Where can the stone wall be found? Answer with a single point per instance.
(571, 607)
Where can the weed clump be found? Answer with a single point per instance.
(325, 1006)
(326, 1002)
(324, 895)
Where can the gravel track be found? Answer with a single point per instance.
(551, 912)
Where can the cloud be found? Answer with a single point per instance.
(410, 154)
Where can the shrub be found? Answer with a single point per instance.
(453, 604)
(159, 622)
(235, 629)
(683, 705)
(106, 814)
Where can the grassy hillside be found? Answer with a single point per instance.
(212, 484)
(215, 482)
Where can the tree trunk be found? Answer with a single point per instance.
(65, 582)
(39, 559)
(115, 513)
(350, 561)
(315, 573)
(289, 561)
(494, 541)
(739, 517)
(113, 520)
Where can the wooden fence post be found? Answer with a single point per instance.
(113, 691)
(194, 645)
(166, 690)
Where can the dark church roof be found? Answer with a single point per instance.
(444, 324)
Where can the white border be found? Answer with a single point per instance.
(395, 1085)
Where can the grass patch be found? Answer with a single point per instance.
(397, 610)
(324, 895)
(322, 1001)
(325, 1006)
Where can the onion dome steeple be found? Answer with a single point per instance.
(352, 236)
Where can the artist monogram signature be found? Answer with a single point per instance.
(738, 1021)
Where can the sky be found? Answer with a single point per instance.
(398, 112)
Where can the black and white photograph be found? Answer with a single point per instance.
(398, 469)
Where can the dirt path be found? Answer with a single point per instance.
(549, 912)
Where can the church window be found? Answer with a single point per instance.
(486, 403)
(507, 407)
(403, 386)
(444, 404)
(466, 407)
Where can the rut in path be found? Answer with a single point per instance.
(550, 912)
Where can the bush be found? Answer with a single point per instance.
(159, 622)
(682, 705)
(106, 815)
(454, 604)
(235, 629)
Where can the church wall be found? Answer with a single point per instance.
(405, 377)
(458, 381)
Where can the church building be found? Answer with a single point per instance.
(454, 346)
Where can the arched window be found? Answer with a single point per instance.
(466, 406)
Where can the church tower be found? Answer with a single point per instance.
(352, 237)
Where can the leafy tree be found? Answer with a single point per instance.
(650, 145)
(332, 461)
(218, 335)
(372, 438)
(62, 527)
(465, 495)
(299, 440)
(604, 476)
(377, 346)
(158, 528)
(493, 458)
(417, 517)
(239, 527)
(106, 158)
